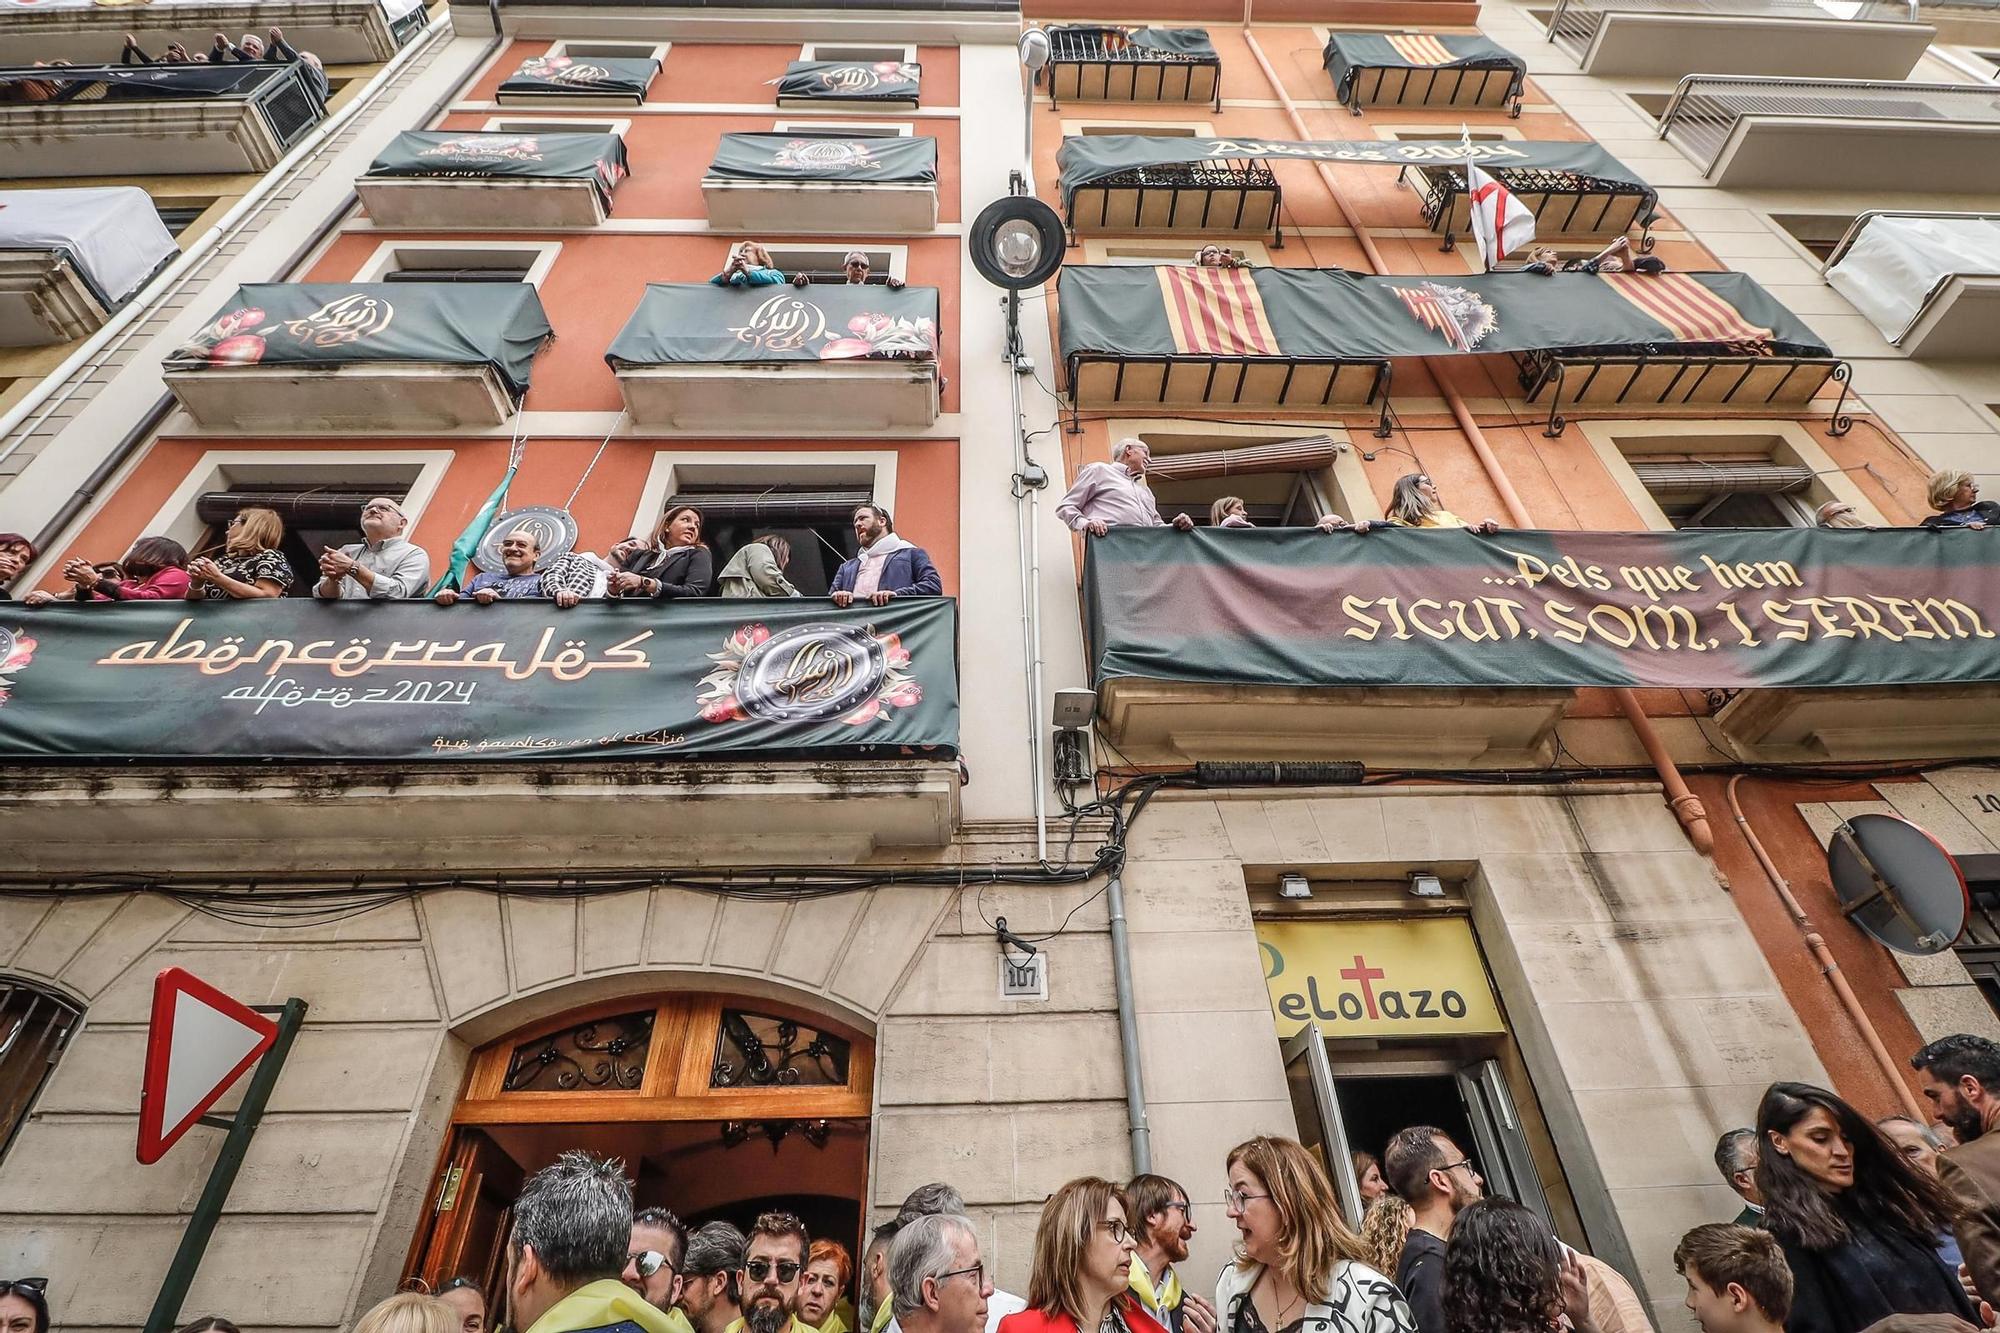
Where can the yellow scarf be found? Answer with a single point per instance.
(1169, 1296)
(883, 1313)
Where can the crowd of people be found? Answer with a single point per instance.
(271, 49)
(1848, 1226)
(750, 265)
(385, 564)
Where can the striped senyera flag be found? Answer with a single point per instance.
(1421, 50)
(1692, 311)
(1216, 312)
(1423, 303)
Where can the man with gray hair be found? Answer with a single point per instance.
(875, 1309)
(709, 1294)
(1736, 1159)
(937, 1277)
(567, 1248)
(1115, 494)
(937, 1199)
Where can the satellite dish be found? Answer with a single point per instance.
(1898, 884)
(554, 529)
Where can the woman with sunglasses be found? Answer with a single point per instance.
(250, 565)
(1082, 1274)
(1298, 1265)
(24, 1305)
(1415, 503)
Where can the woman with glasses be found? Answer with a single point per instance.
(1415, 503)
(1082, 1274)
(24, 1305)
(1298, 1266)
(251, 564)
(1858, 1223)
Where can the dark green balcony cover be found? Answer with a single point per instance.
(701, 323)
(584, 76)
(597, 158)
(1347, 53)
(795, 157)
(894, 82)
(1116, 43)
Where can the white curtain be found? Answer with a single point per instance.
(114, 234)
(1896, 263)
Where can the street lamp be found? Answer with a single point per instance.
(1035, 56)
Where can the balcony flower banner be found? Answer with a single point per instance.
(432, 154)
(895, 81)
(409, 681)
(795, 157)
(583, 76)
(1699, 608)
(700, 323)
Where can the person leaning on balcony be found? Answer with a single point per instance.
(155, 570)
(1115, 494)
(568, 579)
(854, 268)
(675, 564)
(749, 266)
(1218, 256)
(16, 554)
(382, 565)
(887, 567)
(1837, 514)
(251, 564)
(1415, 504)
(758, 570)
(1955, 495)
(1231, 512)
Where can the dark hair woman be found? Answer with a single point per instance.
(676, 564)
(1504, 1273)
(155, 570)
(1859, 1224)
(24, 1305)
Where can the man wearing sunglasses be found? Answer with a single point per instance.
(772, 1261)
(570, 1228)
(1165, 1226)
(653, 1264)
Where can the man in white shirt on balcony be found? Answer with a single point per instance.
(382, 565)
(1115, 494)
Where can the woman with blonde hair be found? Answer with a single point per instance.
(1415, 503)
(410, 1312)
(1229, 512)
(1955, 496)
(1385, 1229)
(1081, 1280)
(1297, 1264)
(251, 564)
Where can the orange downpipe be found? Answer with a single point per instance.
(1828, 967)
(1685, 804)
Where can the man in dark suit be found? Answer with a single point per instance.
(887, 567)
(1736, 1159)
(1960, 1074)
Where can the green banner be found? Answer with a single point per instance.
(1348, 53)
(792, 157)
(583, 76)
(362, 681)
(1703, 609)
(894, 81)
(598, 158)
(1286, 312)
(1087, 158)
(499, 324)
(700, 322)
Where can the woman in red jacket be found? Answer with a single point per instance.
(1081, 1281)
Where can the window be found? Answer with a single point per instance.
(182, 213)
(35, 1026)
(1426, 134)
(1285, 479)
(1696, 475)
(860, 55)
(823, 263)
(846, 129)
(1725, 491)
(460, 261)
(564, 125)
(316, 517)
(1182, 129)
(1816, 233)
(817, 522)
(613, 50)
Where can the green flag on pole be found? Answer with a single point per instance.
(468, 541)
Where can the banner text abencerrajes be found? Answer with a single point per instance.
(1715, 604)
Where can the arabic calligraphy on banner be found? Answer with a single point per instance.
(403, 680)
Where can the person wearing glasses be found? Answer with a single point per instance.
(1415, 503)
(24, 1305)
(653, 1263)
(466, 1300)
(1081, 1278)
(709, 1296)
(381, 565)
(250, 564)
(1164, 1222)
(1298, 1265)
(937, 1277)
(773, 1258)
(1426, 1168)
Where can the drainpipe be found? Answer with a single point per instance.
(1685, 804)
(1830, 969)
(1128, 1026)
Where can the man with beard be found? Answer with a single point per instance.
(773, 1258)
(876, 1309)
(653, 1263)
(1164, 1220)
(570, 1226)
(1437, 1180)
(708, 1278)
(1961, 1076)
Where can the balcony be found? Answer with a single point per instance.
(1112, 64)
(206, 725)
(1836, 134)
(1129, 184)
(1578, 193)
(779, 360)
(340, 32)
(780, 183)
(107, 120)
(579, 81)
(409, 357)
(438, 179)
(1675, 38)
(1963, 22)
(1412, 71)
(1863, 724)
(1314, 339)
(68, 258)
(1929, 281)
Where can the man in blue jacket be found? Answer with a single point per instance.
(887, 567)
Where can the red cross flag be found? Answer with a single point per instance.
(1500, 224)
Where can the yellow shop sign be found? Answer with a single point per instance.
(1377, 978)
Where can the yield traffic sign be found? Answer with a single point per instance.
(200, 1042)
